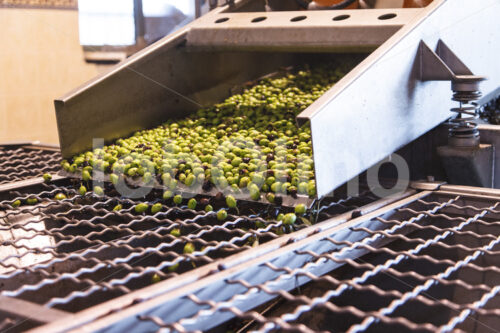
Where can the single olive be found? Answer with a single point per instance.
(60, 196)
(192, 203)
(177, 199)
(157, 207)
(141, 207)
(82, 190)
(114, 179)
(31, 201)
(167, 195)
(98, 190)
(175, 232)
(230, 201)
(86, 175)
(255, 194)
(47, 177)
(189, 248)
(270, 197)
(300, 209)
(155, 278)
(289, 218)
(221, 215)
(173, 268)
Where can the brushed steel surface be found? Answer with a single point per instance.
(324, 30)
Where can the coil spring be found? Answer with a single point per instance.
(468, 111)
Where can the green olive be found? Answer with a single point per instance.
(230, 201)
(82, 190)
(173, 268)
(192, 203)
(117, 208)
(302, 188)
(141, 207)
(157, 207)
(66, 165)
(31, 201)
(86, 175)
(155, 278)
(189, 248)
(175, 232)
(16, 204)
(289, 218)
(132, 172)
(98, 190)
(46, 177)
(113, 178)
(300, 209)
(177, 199)
(254, 194)
(60, 196)
(270, 197)
(167, 195)
(209, 208)
(221, 215)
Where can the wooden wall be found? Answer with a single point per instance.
(40, 60)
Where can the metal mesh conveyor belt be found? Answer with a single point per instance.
(429, 265)
(74, 253)
(24, 162)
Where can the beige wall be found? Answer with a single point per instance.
(40, 60)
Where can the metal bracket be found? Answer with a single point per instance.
(443, 65)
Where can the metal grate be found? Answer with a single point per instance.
(75, 253)
(429, 265)
(25, 162)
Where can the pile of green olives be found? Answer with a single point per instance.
(249, 144)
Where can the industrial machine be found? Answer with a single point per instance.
(422, 259)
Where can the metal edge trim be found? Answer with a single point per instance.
(471, 191)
